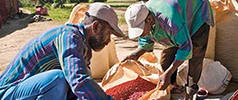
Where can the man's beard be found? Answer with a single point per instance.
(95, 43)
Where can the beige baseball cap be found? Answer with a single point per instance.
(135, 16)
(106, 13)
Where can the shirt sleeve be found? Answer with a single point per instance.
(145, 43)
(183, 39)
(70, 54)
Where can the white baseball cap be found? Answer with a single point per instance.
(135, 16)
(106, 13)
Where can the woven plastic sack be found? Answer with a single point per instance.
(226, 34)
(102, 61)
(214, 78)
(147, 68)
(78, 13)
(210, 52)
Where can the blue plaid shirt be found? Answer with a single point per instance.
(65, 48)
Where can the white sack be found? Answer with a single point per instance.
(215, 77)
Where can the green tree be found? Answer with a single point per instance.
(58, 3)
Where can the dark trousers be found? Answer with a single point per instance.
(199, 40)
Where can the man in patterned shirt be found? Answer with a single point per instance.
(182, 26)
(55, 65)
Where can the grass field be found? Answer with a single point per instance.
(64, 13)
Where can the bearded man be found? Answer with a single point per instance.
(55, 64)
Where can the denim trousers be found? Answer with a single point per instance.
(49, 85)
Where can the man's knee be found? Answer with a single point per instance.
(58, 78)
(56, 72)
(58, 86)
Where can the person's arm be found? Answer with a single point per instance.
(173, 67)
(70, 52)
(184, 52)
(164, 80)
(136, 54)
(145, 45)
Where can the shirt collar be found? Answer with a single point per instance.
(79, 26)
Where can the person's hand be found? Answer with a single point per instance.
(135, 55)
(131, 57)
(164, 81)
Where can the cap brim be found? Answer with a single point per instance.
(135, 32)
(117, 30)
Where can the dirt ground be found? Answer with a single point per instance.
(17, 32)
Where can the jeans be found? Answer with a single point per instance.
(49, 85)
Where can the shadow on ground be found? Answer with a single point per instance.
(15, 24)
